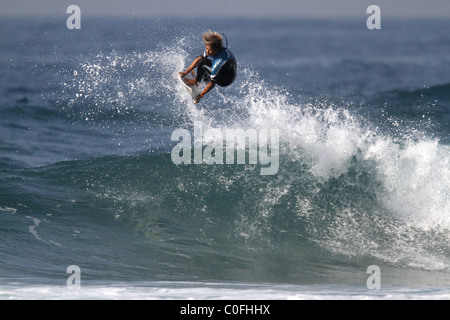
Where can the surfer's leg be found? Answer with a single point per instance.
(204, 70)
(193, 65)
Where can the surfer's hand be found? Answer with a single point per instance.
(197, 98)
(182, 74)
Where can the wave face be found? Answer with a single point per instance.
(86, 175)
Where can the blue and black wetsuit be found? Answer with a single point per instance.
(220, 68)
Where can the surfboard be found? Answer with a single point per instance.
(192, 90)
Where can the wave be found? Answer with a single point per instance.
(345, 186)
(387, 206)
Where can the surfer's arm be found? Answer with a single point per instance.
(207, 89)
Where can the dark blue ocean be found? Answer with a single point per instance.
(87, 178)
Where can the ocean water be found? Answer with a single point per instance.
(87, 178)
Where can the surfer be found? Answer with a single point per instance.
(216, 66)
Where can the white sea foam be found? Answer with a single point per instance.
(33, 230)
(217, 291)
(8, 209)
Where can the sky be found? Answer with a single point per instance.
(230, 8)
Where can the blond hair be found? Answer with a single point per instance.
(212, 40)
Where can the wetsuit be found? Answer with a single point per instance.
(220, 68)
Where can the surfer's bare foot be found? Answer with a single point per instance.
(191, 82)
